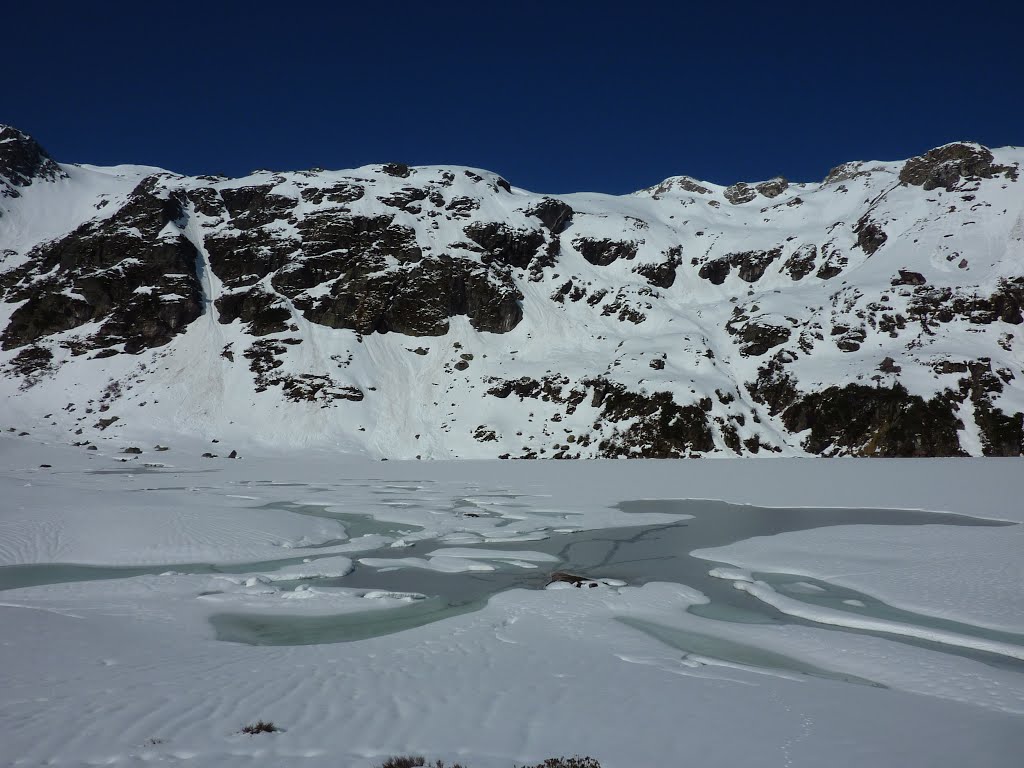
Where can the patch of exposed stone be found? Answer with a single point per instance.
(406, 199)
(398, 170)
(654, 425)
(22, 161)
(264, 312)
(946, 166)
(848, 338)
(31, 364)
(678, 183)
(504, 244)
(624, 306)
(800, 263)
(264, 362)
(569, 290)
(662, 274)
(550, 388)
(858, 420)
(605, 251)
(1001, 434)
(462, 207)
(340, 193)
(313, 388)
(833, 264)
(554, 214)
(931, 305)
(635, 424)
(908, 277)
(251, 207)
(774, 387)
(740, 193)
(847, 172)
(484, 434)
(419, 300)
(870, 235)
(773, 187)
(125, 272)
(750, 265)
(756, 335)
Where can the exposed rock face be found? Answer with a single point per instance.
(662, 274)
(603, 252)
(501, 243)
(658, 428)
(678, 321)
(418, 300)
(133, 272)
(946, 166)
(772, 187)
(870, 235)
(759, 336)
(908, 277)
(801, 262)
(264, 312)
(555, 214)
(750, 265)
(740, 193)
(678, 184)
(866, 421)
(23, 161)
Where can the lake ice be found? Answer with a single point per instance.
(779, 612)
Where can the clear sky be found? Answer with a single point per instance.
(556, 96)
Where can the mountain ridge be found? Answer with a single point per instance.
(441, 312)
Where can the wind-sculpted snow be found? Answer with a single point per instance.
(441, 312)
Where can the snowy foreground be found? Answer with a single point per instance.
(845, 645)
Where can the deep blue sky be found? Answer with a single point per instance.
(556, 96)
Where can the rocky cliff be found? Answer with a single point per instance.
(442, 312)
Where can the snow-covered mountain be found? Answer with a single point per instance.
(441, 312)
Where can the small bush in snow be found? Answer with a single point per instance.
(261, 726)
(413, 761)
(567, 762)
(407, 761)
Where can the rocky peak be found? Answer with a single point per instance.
(945, 166)
(676, 184)
(23, 160)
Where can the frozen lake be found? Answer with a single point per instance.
(148, 613)
(634, 556)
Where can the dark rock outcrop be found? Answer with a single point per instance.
(750, 265)
(22, 161)
(662, 274)
(946, 166)
(554, 214)
(418, 300)
(124, 271)
(603, 252)
(801, 262)
(870, 235)
(758, 336)
(263, 311)
(505, 245)
(867, 421)
(658, 427)
(773, 187)
(740, 193)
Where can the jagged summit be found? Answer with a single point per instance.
(439, 311)
(22, 161)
